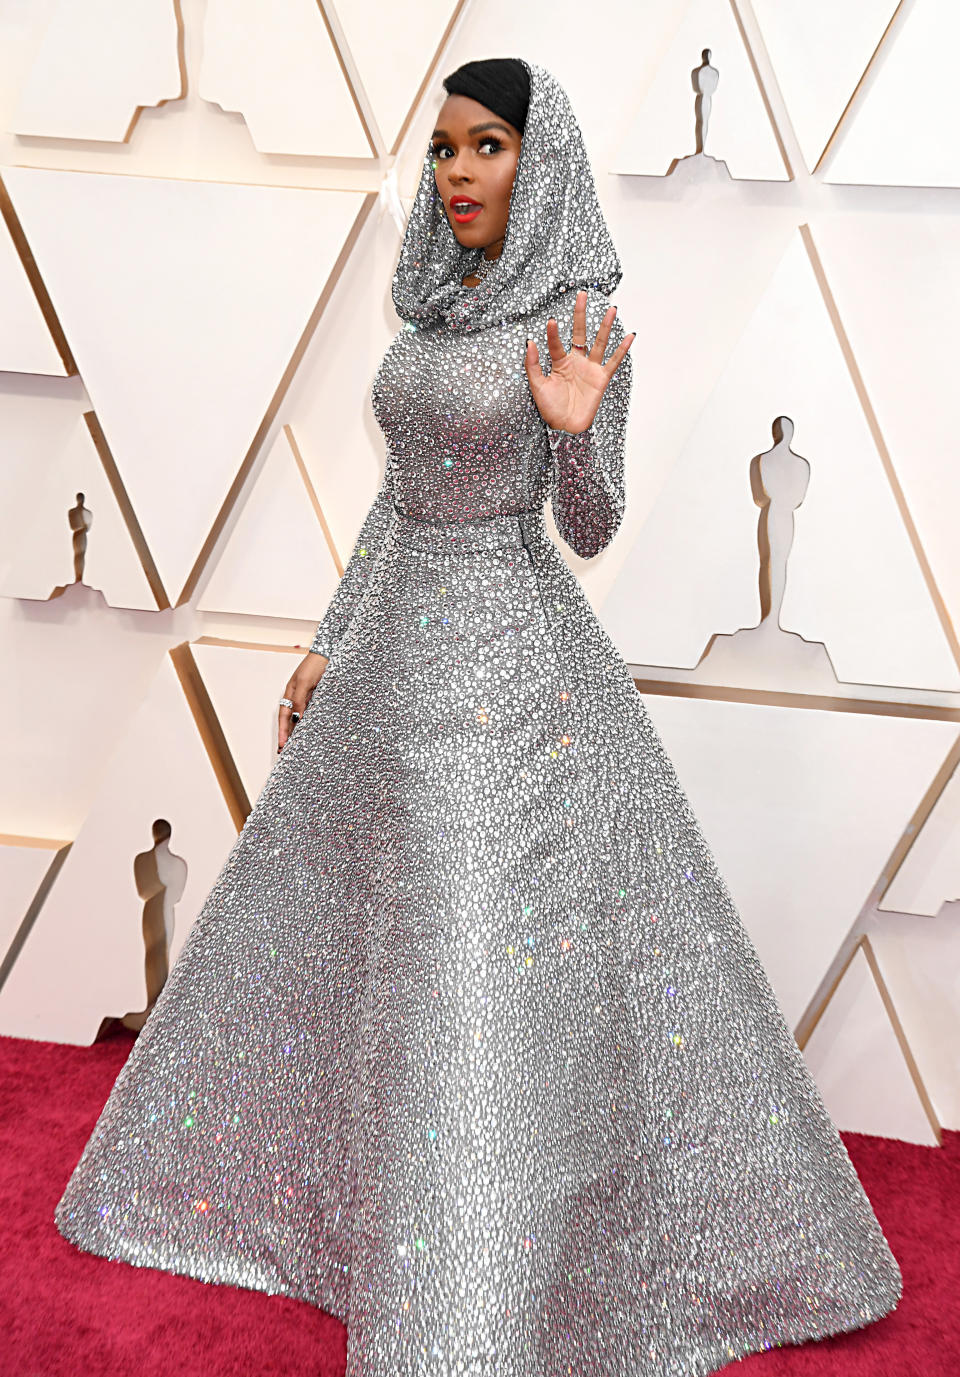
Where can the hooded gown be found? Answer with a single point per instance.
(468, 1045)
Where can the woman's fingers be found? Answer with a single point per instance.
(531, 361)
(603, 335)
(297, 693)
(554, 345)
(615, 359)
(579, 334)
(299, 689)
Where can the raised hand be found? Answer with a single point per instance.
(569, 396)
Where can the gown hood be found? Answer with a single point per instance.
(556, 237)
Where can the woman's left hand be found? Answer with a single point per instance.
(569, 396)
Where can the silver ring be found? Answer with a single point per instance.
(579, 346)
(286, 703)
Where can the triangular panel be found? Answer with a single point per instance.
(858, 1062)
(277, 561)
(903, 131)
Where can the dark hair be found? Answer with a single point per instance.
(502, 84)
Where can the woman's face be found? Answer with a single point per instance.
(475, 156)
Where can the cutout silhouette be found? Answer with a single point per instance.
(779, 479)
(699, 166)
(160, 877)
(705, 80)
(770, 655)
(81, 519)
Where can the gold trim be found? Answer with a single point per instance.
(805, 1028)
(40, 843)
(245, 645)
(370, 133)
(314, 499)
(804, 1035)
(751, 58)
(22, 248)
(858, 94)
(25, 926)
(131, 520)
(901, 1036)
(211, 733)
(783, 698)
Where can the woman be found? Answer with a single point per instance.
(468, 1045)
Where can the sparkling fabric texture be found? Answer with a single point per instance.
(468, 1045)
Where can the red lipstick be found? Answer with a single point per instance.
(464, 209)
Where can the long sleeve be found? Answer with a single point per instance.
(358, 568)
(587, 483)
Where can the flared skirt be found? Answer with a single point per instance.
(468, 1045)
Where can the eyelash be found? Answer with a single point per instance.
(435, 147)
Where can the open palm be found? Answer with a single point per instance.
(569, 396)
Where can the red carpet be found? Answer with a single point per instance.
(64, 1312)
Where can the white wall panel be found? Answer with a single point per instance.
(274, 63)
(181, 345)
(83, 959)
(929, 875)
(392, 46)
(41, 555)
(245, 686)
(25, 343)
(853, 580)
(896, 281)
(80, 672)
(859, 1065)
(920, 963)
(903, 132)
(662, 126)
(277, 561)
(37, 419)
(816, 72)
(801, 809)
(328, 406)
(691, 284)
(96, 64)
(22, 868)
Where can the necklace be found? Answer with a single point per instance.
(485, 266)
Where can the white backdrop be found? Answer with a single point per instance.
(202, 208)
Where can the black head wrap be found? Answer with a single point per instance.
(502, 84)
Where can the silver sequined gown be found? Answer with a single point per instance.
(468, 1045)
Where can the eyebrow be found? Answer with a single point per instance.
(474, 129)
